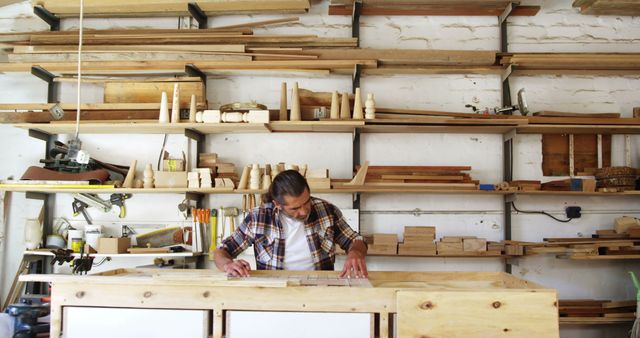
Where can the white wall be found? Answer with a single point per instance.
(558, 28)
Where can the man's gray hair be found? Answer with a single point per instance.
(288, 182)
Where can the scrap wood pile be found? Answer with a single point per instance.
(623, 241)
(584, 309)
(608, 7)
(224, 48)
(420, 241)
(410, 177)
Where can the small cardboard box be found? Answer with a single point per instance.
(167, 179)
(114, 245)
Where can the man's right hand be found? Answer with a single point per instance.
(237, 268)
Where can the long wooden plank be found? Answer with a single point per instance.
(444, 9)
(131, 48)
(143, 92)
(124, 8)
(409, 56)
(178, 66)
(580, 115)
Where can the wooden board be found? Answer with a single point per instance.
(432, 7)
(145, 92)
(124, 8)
(428, 313)
(555, 153)
(581, 115)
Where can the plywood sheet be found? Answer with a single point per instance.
(479, 314)
(555, 153)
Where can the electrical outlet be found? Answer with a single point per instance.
(573, 212)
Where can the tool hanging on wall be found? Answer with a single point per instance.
(83, 201)
(231, 213)
(82, 264)
(118, 199)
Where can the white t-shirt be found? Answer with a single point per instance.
(297, 255)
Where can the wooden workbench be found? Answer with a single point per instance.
(427, 304)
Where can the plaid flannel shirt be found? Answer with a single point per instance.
(262, 228)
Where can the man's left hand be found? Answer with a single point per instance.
(355, 265)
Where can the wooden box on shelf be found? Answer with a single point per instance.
(114, 245)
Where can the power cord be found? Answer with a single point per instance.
(541, 213)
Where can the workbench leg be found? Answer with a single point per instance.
(218, 319)
(55, 327)
(384, 325)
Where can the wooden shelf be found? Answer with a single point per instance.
(367, 126)
(354, 190)
(142, 8)
(578, 129)
(578, 193)
(315, 126)
(46, 252)
(431, 7)
(443, 256)
(145, 128)
(599, 257)
(595, 321)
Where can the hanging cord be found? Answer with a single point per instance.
(541, 213)
(79, 69)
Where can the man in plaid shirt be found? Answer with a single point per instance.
(293, 231)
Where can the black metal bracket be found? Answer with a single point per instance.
(198, 14)
(51, 19)
(356, 162)
(504, 44)
(199, 138)
(506, 88)
(355, 78)
(49, 79)
(355, 21)
(507, 175)
(48, 138)
(191, 70)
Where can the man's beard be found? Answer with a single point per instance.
(302, 219)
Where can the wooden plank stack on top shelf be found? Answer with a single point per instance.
(577, 310)
(125, 8)
(431, 7)
(572, 63)
(608, 7)
(412, 177)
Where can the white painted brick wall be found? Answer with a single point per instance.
(558, 28)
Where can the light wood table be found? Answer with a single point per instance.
(427, 304)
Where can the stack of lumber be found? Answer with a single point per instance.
(430, 7)
(570, 184)
(124, 8)
(466, 246)
(608, 7)
(391, 116)
(526, 185)
(223, 173)
(383, 244)
(587, 248)
(624, 226)
(418, 241)
(585, 309)
(419, 177)
(611, 179)
(553, 117)
(578, 63)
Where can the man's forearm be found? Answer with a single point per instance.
(358, 246)
(221, 258)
